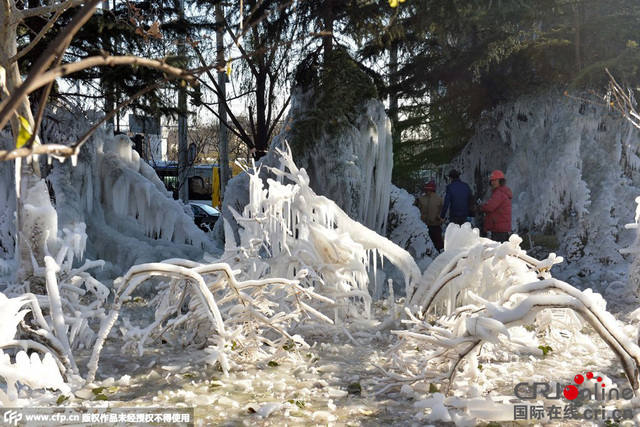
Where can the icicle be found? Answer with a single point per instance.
(374, 260)
(18, 174)
(57, 314)
(88, 189)
(307, 232)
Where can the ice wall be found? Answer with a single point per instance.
(352, 168)
(573, 168)
(129, 216)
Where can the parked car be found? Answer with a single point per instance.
(204, 216)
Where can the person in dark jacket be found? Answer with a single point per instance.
(498, 208)
(430, 205)
(456, 199)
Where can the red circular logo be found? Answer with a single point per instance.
(570, 392)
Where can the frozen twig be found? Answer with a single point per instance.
(433, 350)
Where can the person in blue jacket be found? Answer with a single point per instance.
(456, 199)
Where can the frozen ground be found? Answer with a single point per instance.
(335, 382)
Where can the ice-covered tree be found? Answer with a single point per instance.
(15, 106)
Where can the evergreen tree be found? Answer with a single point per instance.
(458, 59)
(144, 28)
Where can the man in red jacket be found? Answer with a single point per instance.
(498, 208)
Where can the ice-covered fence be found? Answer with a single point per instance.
(433, 349)
(292, 229)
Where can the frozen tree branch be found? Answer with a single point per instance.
(63, 151)
(39, 77)
(69, 309)
(439, 347)
(621, 101)
(54, 150)
(462, 266)
(239, 306)
(107, 60)
(55, 50)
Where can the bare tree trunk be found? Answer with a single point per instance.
(28, 174)
(329, 18)
(8, 49)
(183, 163)
(261, 137)
(393, 91)
(109, 95)
(225, 171)
(577, 9)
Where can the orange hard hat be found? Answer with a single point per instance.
(496, 174)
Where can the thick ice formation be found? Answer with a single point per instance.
(353, 168)
(519, 290)
(73, 298)
(406, 229)
(130, 216)
(27, 370)
(573, 168)
(301, 231)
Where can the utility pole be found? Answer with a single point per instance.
(183, 184)
(109, 88)
(225, 172)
